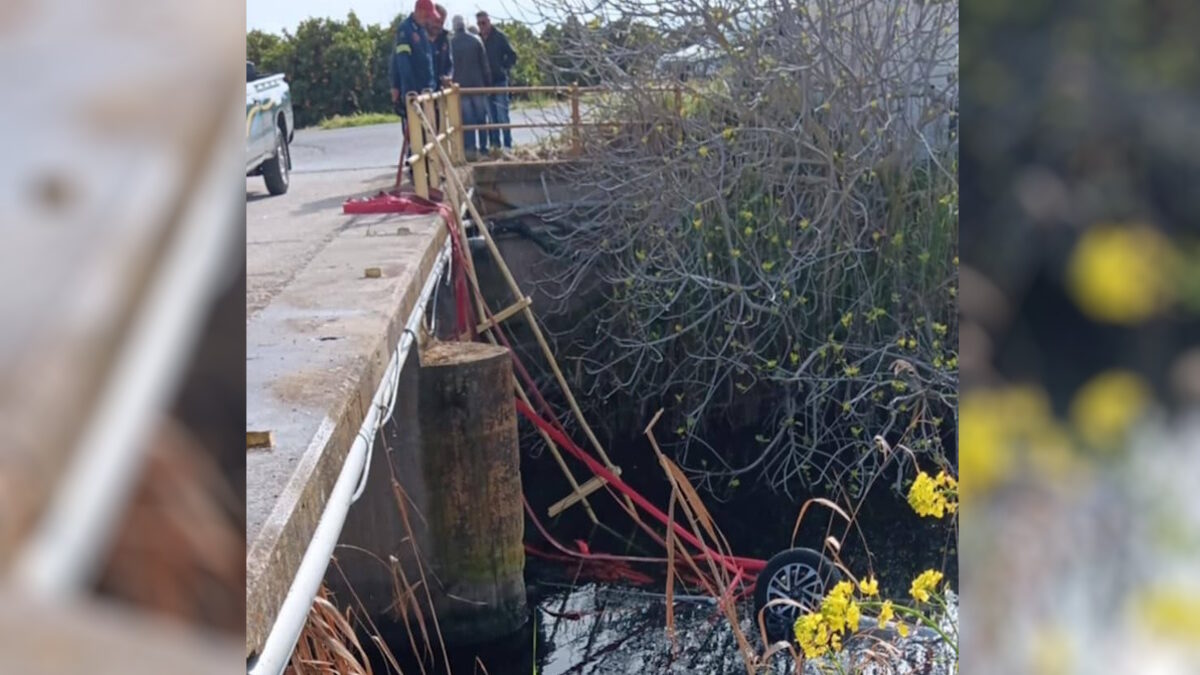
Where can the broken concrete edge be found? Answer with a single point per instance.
(493, 172)
(271, 560)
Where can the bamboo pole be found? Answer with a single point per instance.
(455, 191)
(419, 174)
(533, 325)
(434, 160)
(455, 112)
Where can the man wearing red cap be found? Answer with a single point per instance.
(411, 65)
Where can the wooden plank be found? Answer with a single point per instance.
(504, 314)
(584, 490)
(260, 439)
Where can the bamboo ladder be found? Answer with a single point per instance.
(458, 194)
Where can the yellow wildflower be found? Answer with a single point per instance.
(1169, 611)
(1118, 274)
(1107, 405)
(836, 606)
(933, 496)
(886, 613)
(902, 628)
(924, 583)
(812, 635)
(869, 586)
(703, 151)
(823, 630)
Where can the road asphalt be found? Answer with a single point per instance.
(285, 232)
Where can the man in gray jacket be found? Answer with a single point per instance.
(471, 69)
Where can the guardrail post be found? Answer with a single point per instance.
(576, 122)
(416, 148)
(456, 139)
(435, 164)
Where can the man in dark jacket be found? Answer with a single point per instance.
(443, 60)
(501, 59)
(411, 66)
(471, 69)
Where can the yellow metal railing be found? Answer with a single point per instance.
(443, 110)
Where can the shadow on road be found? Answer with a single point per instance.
(383, 181)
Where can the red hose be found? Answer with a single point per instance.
(732, 563)
(741, 568)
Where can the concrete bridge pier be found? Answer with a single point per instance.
(469, 449)
(453, 452)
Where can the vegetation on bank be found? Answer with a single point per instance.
(778, 256)
(358, 120)
(339, 68)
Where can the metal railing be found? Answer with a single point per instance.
(444, 109)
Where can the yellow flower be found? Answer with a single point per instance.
(1106, 406)
(869, 587)
(903, 628)
(812, 635)
(933, 496)
(992, 423)
(886, 613)
(924, 583)
(836, 606)
(1169, 611)
(1120, 274)
(703, 151)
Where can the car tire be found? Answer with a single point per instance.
(276, 171)
(799, 574)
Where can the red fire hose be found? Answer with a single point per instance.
(397, 202)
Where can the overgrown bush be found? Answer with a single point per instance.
(780, 258)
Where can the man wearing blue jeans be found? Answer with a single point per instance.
(471, 70)
(501, 59)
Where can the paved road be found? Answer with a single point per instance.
(378, 146)
(284, 233)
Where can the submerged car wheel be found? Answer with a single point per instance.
(798, 574)
(276, 170)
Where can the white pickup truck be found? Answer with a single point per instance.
(269, 129)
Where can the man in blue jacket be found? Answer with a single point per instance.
(411, 66)
(501, 58)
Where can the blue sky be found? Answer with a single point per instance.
(273, 16)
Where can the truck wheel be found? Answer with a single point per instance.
(799, 574)
(275, 170)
